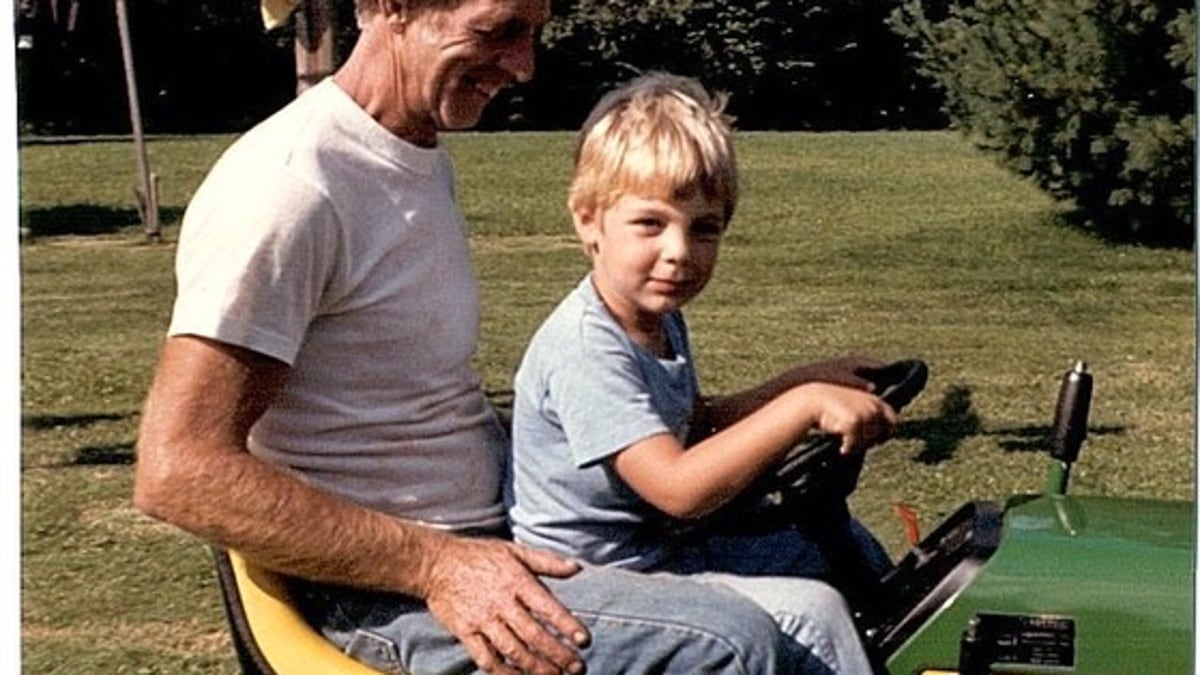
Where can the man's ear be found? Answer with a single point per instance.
(395, 12)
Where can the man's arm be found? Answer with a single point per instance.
(193, 470)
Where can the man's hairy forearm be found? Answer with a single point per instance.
(285, 524)
(193, 470)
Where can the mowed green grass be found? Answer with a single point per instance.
(896, 245)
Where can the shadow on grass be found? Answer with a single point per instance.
(41, 422)
(957, 421)
(1036, 438)
(1118, 233)
(119, 454)
(116, 454)
(87, 219)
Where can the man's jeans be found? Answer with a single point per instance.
(640, 623)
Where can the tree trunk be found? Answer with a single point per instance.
(147, 190)
(315, 23)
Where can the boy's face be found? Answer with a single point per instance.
(651, 255)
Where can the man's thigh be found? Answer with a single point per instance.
(639, 623)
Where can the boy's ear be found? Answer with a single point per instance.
(587, 227)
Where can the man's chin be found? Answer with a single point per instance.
(462, 117)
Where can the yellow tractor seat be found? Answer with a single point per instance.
(269, 633)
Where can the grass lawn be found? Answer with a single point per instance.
(892, 244)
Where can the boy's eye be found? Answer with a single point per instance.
(649, 223)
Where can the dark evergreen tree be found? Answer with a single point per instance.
(788, 64)
(1092, 99)
(205, 65)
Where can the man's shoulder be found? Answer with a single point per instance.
(306, 126)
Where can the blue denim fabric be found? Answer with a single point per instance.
(640, 623)
(811, 612)
(786, 552)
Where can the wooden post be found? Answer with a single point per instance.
(315, 22)
(147, 192)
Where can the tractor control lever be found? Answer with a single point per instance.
(1070, 424)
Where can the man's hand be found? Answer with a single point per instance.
(486, 594)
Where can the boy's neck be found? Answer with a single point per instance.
(646, 330)
(655, 341)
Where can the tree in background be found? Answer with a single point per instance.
(788, 64)
(1092, 99)
(206, 65)
(202, 65)
(65, 69)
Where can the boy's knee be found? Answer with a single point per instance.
(826, 602)
(661, 623)
(747, 635)
(737, 637)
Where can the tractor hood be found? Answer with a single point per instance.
(1077, 584)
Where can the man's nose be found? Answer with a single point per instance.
(517, 60)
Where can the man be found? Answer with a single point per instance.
(314, 407)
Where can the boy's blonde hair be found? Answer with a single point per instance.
(658, 135)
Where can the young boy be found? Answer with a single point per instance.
(607, 397)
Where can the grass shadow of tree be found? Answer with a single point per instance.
(957, 421)
(40, 422)
(1035, 438)
(115, 454)
(84, 219)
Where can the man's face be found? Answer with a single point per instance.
(456, 60)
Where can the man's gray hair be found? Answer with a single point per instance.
(364, 10)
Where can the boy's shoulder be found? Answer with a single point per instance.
(577, 315)
(578, 327)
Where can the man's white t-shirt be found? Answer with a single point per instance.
(326, 242)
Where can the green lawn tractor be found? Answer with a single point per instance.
(1046, 583)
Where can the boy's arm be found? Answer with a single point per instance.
(716, 413)
(692, 483)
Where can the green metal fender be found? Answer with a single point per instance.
(1078, 585)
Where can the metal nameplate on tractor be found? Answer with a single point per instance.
(1020, 639)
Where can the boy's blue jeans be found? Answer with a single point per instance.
(640, 623)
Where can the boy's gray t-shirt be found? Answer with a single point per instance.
(584, 392)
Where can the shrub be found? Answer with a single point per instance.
(788, 64)
(1091, 99)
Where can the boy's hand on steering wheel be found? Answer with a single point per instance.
(861, 419)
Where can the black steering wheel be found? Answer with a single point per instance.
(808, 490)
(815, 473)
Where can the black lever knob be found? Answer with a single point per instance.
(1071, 414)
